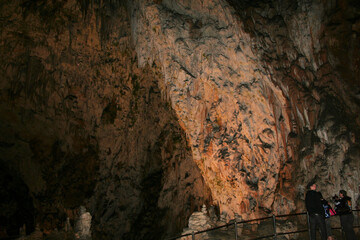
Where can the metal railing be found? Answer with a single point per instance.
(273, 235)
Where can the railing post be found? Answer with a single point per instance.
(235, 230)
(308, 222)
(274, 223)
(193, 235)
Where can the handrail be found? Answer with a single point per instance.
(289, 215)
(257, 219)
(298, 231)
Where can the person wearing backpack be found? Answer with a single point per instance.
(329, 211)
(344, 210)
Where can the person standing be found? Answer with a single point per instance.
(344, 210)
(329, 211)
(315, 211)
(358, 200)
(357, 207)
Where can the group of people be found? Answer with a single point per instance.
(319, 211)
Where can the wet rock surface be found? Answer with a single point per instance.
(143, 111)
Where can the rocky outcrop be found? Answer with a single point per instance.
(254, 86)
(143, 111)
(83, 225)
(311, 53)
(218, 89)
(82, 124)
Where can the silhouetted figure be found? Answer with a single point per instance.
(344, 210)
(358, 200)
(357, 207)
(316, 211)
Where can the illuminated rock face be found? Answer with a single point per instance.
(221, 95)
(146, 110)
(254, 87)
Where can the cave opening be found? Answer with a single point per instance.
(17, 212)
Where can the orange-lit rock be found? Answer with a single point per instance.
(253, 85)
(221, 93)
(143, 111)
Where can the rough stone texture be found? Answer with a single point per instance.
(199, 221)
(219, 92)
(142, 111)
(82, 124)
(83, 225)
(311, 51)
(263, 92)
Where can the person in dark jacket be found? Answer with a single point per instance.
(344, 209)
(315, 211)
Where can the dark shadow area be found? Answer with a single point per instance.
(16, 206)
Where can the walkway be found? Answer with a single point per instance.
(281, 227)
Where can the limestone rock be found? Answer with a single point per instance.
(199, 221)
(83, 225)
(143, 111)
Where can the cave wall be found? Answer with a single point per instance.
(267, 92)
(82, 124)
(142, 111)
(311, 52)
(215, 86)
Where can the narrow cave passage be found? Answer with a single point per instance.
(16, 205)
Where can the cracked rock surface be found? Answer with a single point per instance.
(143, 111)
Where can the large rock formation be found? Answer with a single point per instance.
(262, 89)
(143, 111)
(82, 124)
